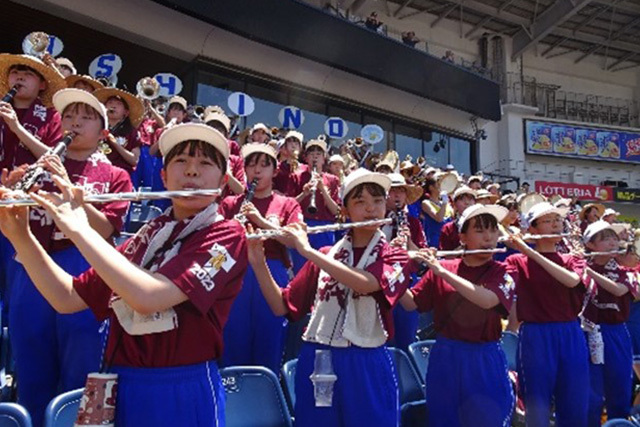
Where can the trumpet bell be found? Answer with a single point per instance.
(448, 182)
(110, 81)
(148, 88)
(35, 44)
(528, 201)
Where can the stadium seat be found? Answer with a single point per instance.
(123, 237)
(509, 343)
(419, 352)
(14, 415)
(140, 214)
(254, 398)
(289, 381)
(618, 422)
(409, 384)
(63, 409)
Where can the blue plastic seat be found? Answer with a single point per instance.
(289, 382)
(419, 352)
(123, 237)
(509, 343)
(14, 415)
(63, 409)
(254, 398)
(619, 422)
(139, 215)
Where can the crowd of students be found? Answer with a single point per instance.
(190, 291)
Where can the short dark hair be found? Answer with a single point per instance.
(78, 107)
(254, 158)
(481, 222)
(375, 190)
(192, 146)
(22, 67)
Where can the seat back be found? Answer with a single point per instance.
(419, 352)
(63, 409)
(254, 398)
(618, 422)
(14, 415)
(409, 384)
(140, 215)
(509, 342)
(289, 381)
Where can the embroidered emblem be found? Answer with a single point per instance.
(220, 260)
(274, 219)
(40, 112)
(394, 276)
(507, 286)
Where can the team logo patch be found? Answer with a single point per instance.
(507, 286)
(394, 276)
(220, 260)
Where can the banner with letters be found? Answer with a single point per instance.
(582, 141)
(626, 195)
(579, 191)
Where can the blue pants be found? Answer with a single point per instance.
(53, 352)
(611, 382)
(468, 385)
(405, 324)
(365, 393)
(553, 361)
(253, 335)
(317, 241)
(633, 324)
(7, 272)
(178, 396)
(157, 184)
(143, 174)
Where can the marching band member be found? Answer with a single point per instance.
(336, 166)
(286, 181)
(467, 382)
(463, 197)
(125, 113)
(319, 189)
(253, 335)
(552, 348)
(437, 210)
(54, 352)
(166, 292)
(31, 125)
(406, 233)
(217, 119)
(589, 214)
(88, 83)
(237, 180)
(65, 66)
(475, 182)
(605, 314)
(349, 290)
(631, 260)
(260, 133)
(610, 215)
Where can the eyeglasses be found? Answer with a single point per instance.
(550, 221)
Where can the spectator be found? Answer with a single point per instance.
(409, 38)
(372, 22)
(448, 56)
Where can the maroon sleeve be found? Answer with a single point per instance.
(513, 267)
(449, 238)
(417, 233)
(630, 280)
(394, 274)
(423, 292)
(293, 212)
(299, 295)
(116, 211)
(234, 148)
(94, 292)
(227, 207)
(132, 140)
(209, 263)
(334, 189)
(501, 283)
(575, 264)
(237, 169)
(51, 132)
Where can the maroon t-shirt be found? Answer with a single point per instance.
(97, 176)
(234, 148)
(603, 306)
(541, 298)
(300, 294)
(285, 181)
(332, 183)
(456, 317)
(415, 229)
(236, 167)
(449, 237)
(42, 122)
(208, 268)
(147, 131)
(277, 209)
(130, 142)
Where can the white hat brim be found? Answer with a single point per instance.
(65, 97)
(193, 132)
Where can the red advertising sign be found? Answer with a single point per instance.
(579, 191)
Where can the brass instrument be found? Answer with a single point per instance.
(148, 88)
(36, 44)
(448, 182)
(110, 81)
(35, 171)
(12, 92)
(133, 196)
(294, 161)
(312, 208)
(528, 201)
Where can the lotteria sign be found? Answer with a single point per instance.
(579, 191)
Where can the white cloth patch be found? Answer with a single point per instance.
(507, 286)
(135, 323)
(220, 260)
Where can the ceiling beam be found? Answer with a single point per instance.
(593, 49)
(479, 25)
(402, 6)
(621, 60)
(558, 13)
(505, 5)
(626, 6)
(601, 10)
(553, 46)
(443, 15)
(564, 52)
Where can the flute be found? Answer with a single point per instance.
(618, 252)
(269, 234)
(464, 252)
(132, 196)
(526, 237)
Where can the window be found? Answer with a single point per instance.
(408, 141)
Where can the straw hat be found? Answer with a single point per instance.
(74, 78)
(136, 109)
(413, 191)
(599, 207)
(55, 80)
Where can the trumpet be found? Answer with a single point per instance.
(35, 171)
(312, 208)
(12, 92)
(36, 44)
(108, 81)
(133, 196)
(270, 234)
(148, 88)
(294, 160)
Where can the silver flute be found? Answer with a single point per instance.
(463, 252)
(526, 237)
(269, 234)
(132, 196)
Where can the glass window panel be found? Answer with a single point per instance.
(215, 90)
(408, 141)
(436, 150)
(269, 102)
(352, 117)
(460, 155)
(314, 115)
